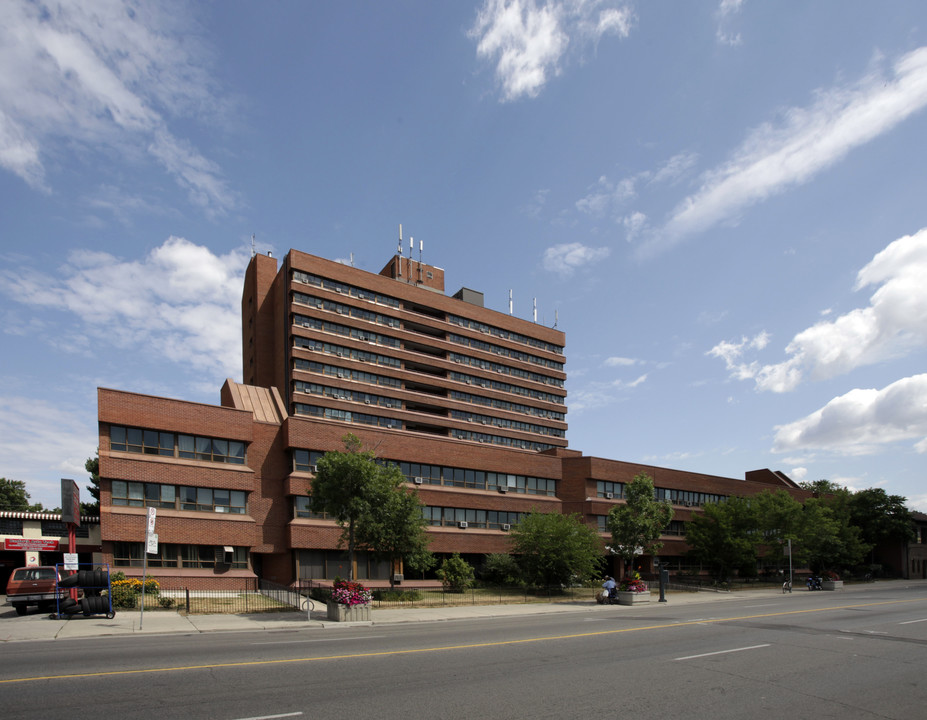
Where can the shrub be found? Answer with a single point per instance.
(501, 569)
(127, 590)
(456, 573)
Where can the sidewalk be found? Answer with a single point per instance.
(38, 626)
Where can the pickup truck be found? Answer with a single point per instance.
(34, 586)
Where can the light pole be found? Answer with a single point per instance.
(790, 564)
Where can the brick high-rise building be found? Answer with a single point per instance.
(469, 402)
(392, 351)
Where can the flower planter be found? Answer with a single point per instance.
(633, 598)
(348, 613)
(832, 585)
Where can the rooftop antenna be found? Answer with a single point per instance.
(411, 248)
(510, 301)
(252, 245)
(352, 259)
(535, 310)
(556, 317)
(421, 247)
(400, 250)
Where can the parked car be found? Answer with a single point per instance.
(34, 586)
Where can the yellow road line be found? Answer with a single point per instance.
(444, 648)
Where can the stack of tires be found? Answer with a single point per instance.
(93, 583)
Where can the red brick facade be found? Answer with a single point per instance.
(465, 387)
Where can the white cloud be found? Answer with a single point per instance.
(674, 168)
(773, 159)
(528, 40)
(726, 12)
(108, 75)
(602, 394)
(605, 196)
(564, 259)
(42, 442)
(894, 323)
(634, 225)
(182, 302)
(798, 473)
(732, 352)
(19, 154)
(620, 362)
(862, 421)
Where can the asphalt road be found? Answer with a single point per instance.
(805, 655)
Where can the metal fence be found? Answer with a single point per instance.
(251, 598)
(263, 597)
(437, 595)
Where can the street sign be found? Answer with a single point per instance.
(151, 520)
(70, 561)
(151, 542)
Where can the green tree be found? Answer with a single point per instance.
(881, 517)
(731, 535)
(456, 573)
(637, 525)
(777, 517)
(556, 549)
(13, 495)
(345, 487)
(822, 487)
(393, 526)
(723, 537)
(826, 540)
(92, 466)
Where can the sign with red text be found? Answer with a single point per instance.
(30, 544)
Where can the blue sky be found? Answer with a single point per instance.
(722, 205)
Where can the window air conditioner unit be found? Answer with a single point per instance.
(418, 480)
(462, 524)
(313, 468)
(609, 496)
(397, 577)
(506, 527)
(503, 489)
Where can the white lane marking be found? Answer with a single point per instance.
(913, 621)
(271, 717)
(723, 652)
